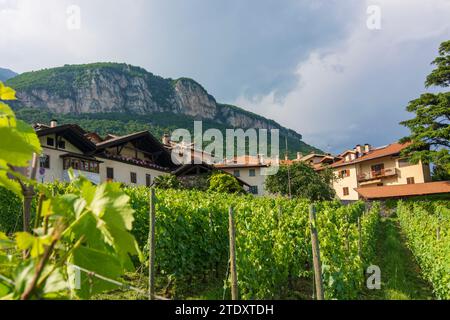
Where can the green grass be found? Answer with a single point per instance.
(400, 275)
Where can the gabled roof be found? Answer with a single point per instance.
(405, 190)
(242, 162)
(347, 151)
(180, 171)
(142, 140)
(71, 132)
(311, 155)
(119, 140)
(389, 150)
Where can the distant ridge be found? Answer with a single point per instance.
(6, 74)
(115, 91)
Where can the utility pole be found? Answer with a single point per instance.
(286, 157)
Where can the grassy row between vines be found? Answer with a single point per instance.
(427, 229)
(272, 241)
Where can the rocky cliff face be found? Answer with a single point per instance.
(106, 87)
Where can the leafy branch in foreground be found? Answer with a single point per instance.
(89, 227)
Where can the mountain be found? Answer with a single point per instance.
(6, 74)
(111, 96)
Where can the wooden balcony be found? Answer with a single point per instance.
(383, 173)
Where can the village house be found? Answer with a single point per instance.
(248, 169)
(365, 166)
(132, 159)
(65, 147)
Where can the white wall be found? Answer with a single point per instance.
(122, 171)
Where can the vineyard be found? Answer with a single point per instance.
(273, 243)
(272, 240)
(427, 226)
(86, 241)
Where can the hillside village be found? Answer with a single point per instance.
(364, 172)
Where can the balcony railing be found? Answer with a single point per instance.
(378, 174)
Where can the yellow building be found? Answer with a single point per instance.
(365, 166)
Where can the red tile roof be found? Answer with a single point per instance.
(242, 162)
(392, 149)
(405, 190)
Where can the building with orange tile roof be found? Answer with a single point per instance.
(367, 167)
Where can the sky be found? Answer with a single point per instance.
(340, 72)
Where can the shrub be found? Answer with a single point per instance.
(224, 183)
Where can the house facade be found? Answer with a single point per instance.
(248, 169)
(365, 166)
(132, 159)
(65, 147)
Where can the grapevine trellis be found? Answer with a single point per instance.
(277, 229)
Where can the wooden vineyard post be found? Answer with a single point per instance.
(151, 244)
(359, 238)
(438, 233)
(28, 194)
(316, 254)
(233, 271)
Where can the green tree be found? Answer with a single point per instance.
(305, 182)
(430, 131)
(224, 183)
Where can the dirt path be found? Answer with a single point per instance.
(400, 275)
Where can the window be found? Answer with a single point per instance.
(61, 144)
(85, 165)
(252, 173)
(410, 180)
(50, 142)
(237, 173)
(148, 180)
(44, 161)
(378, 169)
(344, 173)
(78, 164)
(93, 167)
(253, 189)
(345, 191)
(75, 164)
(110, 173)
(133, 177)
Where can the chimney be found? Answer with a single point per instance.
(53, 123)
(299, 155)
(358, 150)
(367, 148)
(166, 139)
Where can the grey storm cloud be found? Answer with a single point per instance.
(310, 65)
